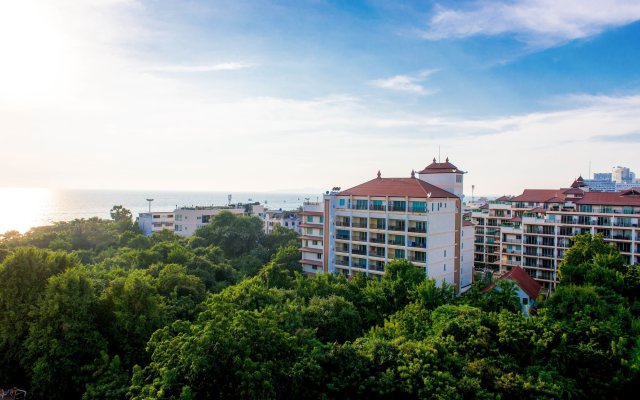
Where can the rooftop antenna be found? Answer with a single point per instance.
(589, 169)
(473, 187)
(438, 153)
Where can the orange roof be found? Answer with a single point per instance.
(400, 187)
(440, 168)
(467, 223)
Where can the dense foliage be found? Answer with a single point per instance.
(93, 309)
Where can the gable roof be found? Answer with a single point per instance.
(411, 187)
(524, 281)
(627, 198)
(538, 195)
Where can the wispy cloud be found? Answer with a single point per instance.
(631, 137)
(228, 66)
(540, 23)
(406, 83)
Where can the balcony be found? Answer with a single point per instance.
(422, 245)
(395, 208)
(377, 240)
(359, 225)
(343, 237)
(359, 252)
(343, 223)
(397, 242)
(418, 210)
(378, 254)
(377, 207)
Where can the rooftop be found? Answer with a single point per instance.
(401, 187)
(440, 168)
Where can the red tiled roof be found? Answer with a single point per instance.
(524, 281)
(504, 198)
(411, 187)
(538, 195)
(626, 198)
(440, 168)
(573, 191)
(467, 223)
(538, 210)
(516, 219)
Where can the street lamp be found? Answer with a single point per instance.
(149, 200)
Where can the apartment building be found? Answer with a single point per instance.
(533, 230)
(418, 218)
(312, 237)
(285, 219)
(150, 222)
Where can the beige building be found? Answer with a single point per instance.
(533, 230)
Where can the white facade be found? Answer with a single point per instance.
(155, 221)
(312, 237)
(367, 226)
(190, 219)
(285, 219)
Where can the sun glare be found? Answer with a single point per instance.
(23, 208)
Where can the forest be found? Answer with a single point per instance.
(93, 309)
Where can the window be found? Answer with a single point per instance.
(315, 242)
(309, 218)
(341, 202)
(525, 301)
(445, 253)
(458, 178)
(321, 219)
(445, 267)
(318, 256)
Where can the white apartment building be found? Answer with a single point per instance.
(418, 218)
(285, 219)
(533, 230)
(150, 222)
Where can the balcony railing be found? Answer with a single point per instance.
(359, 252)
(398, 228)
(342, 237)
(378, 226)
(397, 208)
(376, 254)
(377, 207)
(417, 244)
(417, 230)
(359, 225)
(343, 223)
(418, 210)
(397, 242)
(377, 240)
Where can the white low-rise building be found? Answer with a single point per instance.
(285, 219)
(151, 222)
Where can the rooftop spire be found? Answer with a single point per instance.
(379, 174)
(413, 173)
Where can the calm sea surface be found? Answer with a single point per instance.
(22, 208)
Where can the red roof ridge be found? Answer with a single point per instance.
(410, 187)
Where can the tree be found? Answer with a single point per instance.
(121, 215)
(23, 276)
(63, 337)
(235, 235)
(334, 318)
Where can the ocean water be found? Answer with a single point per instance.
(23, 208)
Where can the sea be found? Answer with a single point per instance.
(24, 208)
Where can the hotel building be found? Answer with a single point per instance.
(534, 230)
(417, 218)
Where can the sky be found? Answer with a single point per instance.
(307, 95)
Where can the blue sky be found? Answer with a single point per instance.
(307, 95)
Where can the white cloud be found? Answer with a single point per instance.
(540, 23)
(228, 66)
(406, 83)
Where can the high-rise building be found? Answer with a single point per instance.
(622, 175)
(417, 218)
(533, 230)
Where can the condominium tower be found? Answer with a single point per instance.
(418, 218)
(533, 230)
